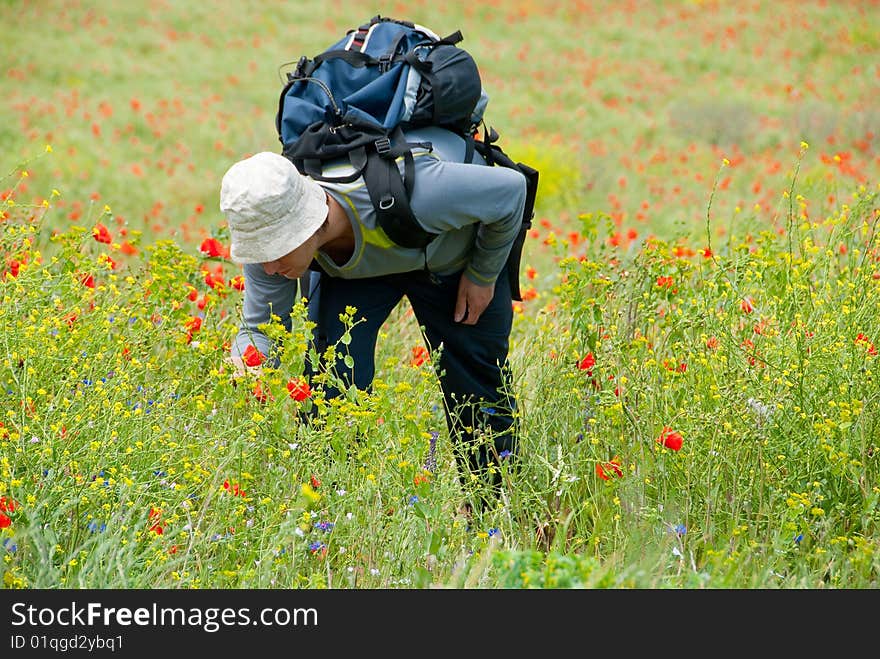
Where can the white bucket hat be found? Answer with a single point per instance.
(270, 207)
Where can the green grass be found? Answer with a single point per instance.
(706, 229)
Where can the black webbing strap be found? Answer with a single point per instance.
(469, 149)
(352, 57)
(360, 36)
(389, 198)
(390, 193)
(494, 155)
(450, 40)
(314, 168)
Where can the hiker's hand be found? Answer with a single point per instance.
(472, 301)
(240, 369)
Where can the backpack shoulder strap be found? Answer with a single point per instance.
(494, 155)
(390, 193)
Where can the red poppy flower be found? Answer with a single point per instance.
(87, 280)
(670, 439)
(102, 234)
(605, 470)
(299, 389)
(253, 357)
(746, 305)
(237, 282)
(529, 293)
(213, 280)
(682, 251)
(587, 363)
(5, 522)
(155, 521)
(315, 482)
(192, 325)
(419, 356)
(7, 505)
(234, 489)
(212, 247)
(260, 394)
(861, 338)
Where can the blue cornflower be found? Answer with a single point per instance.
(413, 500)
(494, 531)
(324, 526)
(487, 410)
(504, 454)
(798, 538)
(680, 529)
(9, 545)
(317, 547)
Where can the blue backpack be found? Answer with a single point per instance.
(356, 98)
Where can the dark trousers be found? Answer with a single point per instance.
(472, 367)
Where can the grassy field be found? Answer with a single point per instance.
(695, 355)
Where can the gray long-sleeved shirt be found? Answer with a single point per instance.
(476, 209)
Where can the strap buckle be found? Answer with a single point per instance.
(300, 71)
(385, 63)
(383, 146)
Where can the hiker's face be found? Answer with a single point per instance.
(294, 264)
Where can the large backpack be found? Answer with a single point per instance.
(356, 98)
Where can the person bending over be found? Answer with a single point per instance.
(285, 226)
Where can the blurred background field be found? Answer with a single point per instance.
(694, 354)
(627, 108)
